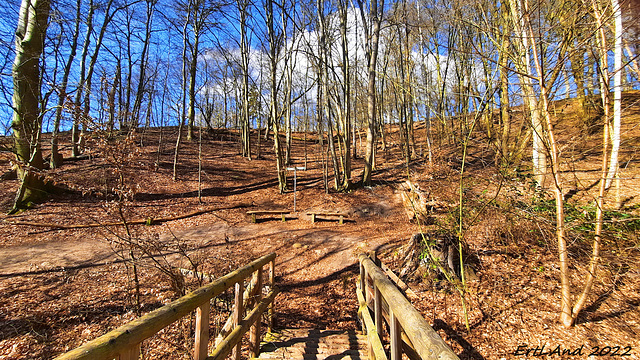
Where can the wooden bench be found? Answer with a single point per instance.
(341, 216)
(253, 214)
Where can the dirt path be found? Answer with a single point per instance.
(316, 264)
(37, 258)
(329, 242)
(315, 268)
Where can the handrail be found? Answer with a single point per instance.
(124, 342)
(376, 350)
(402, 315)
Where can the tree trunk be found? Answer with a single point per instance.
(27, 123)
(125, 112)
(604, 93)
(567, 316)
(177, 148)
(111, 101)
(505, 119)
(108, 15)
(274, 112)
(137, 104)
(193, 69)
(617, 95)
(56, 158)
(346, 94)
(523, 64)
(372, 36)
(77, 116)
(244, 51)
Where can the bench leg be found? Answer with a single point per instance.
(283, 218)
(253, 218)
(341, 220)
(313, 218)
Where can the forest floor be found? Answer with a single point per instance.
(60, 287)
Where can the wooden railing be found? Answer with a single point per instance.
(124, 342)
(408, 331)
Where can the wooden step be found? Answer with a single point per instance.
(311, 344)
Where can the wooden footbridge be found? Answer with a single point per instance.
(393, 327)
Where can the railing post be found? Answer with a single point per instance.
(238, 312)
(201, 348)
(396, 337)
(272, 283)
(365, 290)
(254, 336)
(132, 353)
(377, 307)
(367, 293)
(362, 289)
(374, 257)
(362, 276)
(124, 343)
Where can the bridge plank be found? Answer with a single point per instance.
(312, 344)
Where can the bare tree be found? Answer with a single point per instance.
(372, 21)
(201, 12)
(27, 122)
(151, 4)
(275, 46)
(56, 158)
(617, 96)
(244, 68)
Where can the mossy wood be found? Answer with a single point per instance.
(381, 311)
(427, 343)
(376, 350)
(121, 342)
(249, 292)
(225, 347)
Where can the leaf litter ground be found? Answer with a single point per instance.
(62, 287)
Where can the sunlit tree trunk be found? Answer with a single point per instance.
(274, 112)
(604, 93)
(523, 65)
(617, 94)
(143, 61)
(200, 12)
(181, 114)
(425, 75)
(56, 158)
(77, 116)
(568, 309)
(244, 53)
(346, 95)
(108, 16)
(505, 118)
(27, 123)
(372, 36)
(111, 100)
(193, 69)
(565, 301)
(289, 65)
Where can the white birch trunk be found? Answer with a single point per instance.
(539, 157)
(617, 95)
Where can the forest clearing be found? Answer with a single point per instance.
(64, 286)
